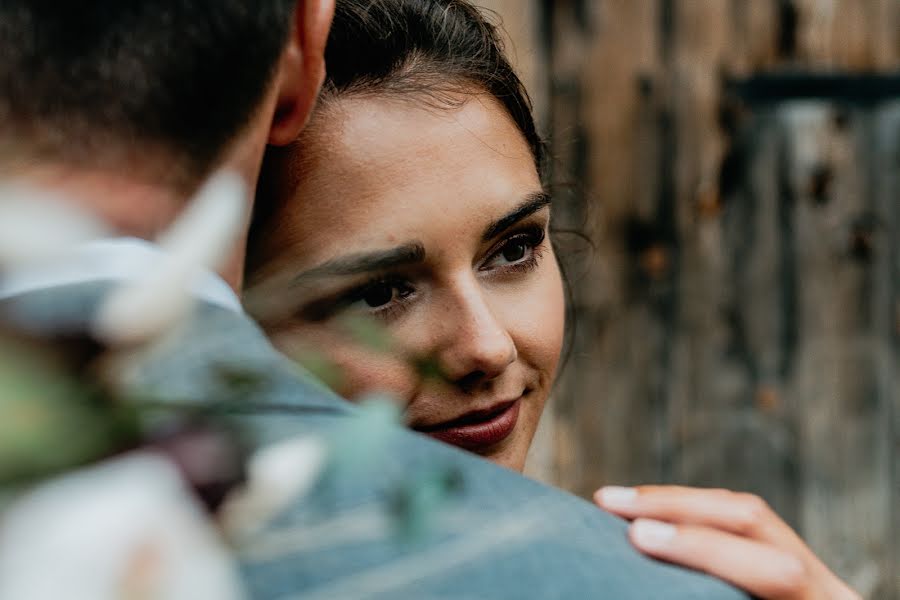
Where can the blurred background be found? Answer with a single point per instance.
(736, 164)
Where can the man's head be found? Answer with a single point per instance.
(161, 91)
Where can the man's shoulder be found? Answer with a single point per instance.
(492, 533)
(405, 516)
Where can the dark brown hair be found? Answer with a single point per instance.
(428, 49)
(92, 82)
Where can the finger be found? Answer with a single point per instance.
(760, 569)
(738, 513)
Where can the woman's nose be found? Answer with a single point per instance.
(478, 347)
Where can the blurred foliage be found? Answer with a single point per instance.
(50, 421)
(416, 502)
(368, 333)
(320, 367)
(358, 445)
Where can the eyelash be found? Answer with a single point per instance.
(386, 311)
(533, 238)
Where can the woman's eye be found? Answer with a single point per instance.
(519, 252)
(382, 297)
(379, 294)
(515, 251)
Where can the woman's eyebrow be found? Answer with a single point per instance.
(365, 262)
(533, 203)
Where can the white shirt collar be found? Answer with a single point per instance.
(118, 259)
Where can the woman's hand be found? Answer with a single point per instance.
(733, 536)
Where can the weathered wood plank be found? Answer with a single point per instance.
(606, 111)
(848, 34)
(836, 387)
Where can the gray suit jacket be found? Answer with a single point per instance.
(502, 536)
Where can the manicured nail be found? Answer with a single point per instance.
(616, 497)
(652, 535)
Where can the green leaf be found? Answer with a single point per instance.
(418, 501)
(360, 441)
(368, 332)
(48, 421)
(321, 367)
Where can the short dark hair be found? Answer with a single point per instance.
(93, 81)
(428, 49)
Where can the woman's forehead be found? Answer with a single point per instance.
(380, 171)
(376, 152)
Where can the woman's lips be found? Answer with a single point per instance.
(478, 430)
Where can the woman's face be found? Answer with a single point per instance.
(433, 222)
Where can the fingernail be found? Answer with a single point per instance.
(616, 497)
(652, 535)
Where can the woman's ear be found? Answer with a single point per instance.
(301, 70)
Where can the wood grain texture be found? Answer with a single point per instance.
(738, 320)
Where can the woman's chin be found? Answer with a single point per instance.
(511, 452)
(514, 461)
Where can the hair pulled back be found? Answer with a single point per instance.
(429, 49)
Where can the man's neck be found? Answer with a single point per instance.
(128, 205)
(141, 206)
(131, 206)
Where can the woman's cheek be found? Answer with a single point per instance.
(366, 372)
(352, 369)
(541, 321)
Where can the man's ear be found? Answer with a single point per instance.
(301, 70)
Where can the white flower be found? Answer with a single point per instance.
(123, 529)
(202, 238)
(276, 475)
(36, 225)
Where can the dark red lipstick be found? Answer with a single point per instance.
(477, 430)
